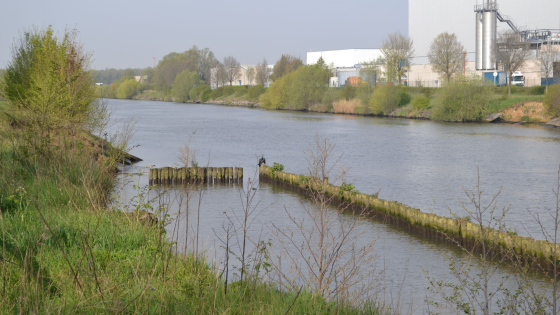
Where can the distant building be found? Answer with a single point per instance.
(345, 58)
(141, 78)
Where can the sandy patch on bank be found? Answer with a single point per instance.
(533, 110)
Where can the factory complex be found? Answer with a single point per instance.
(477, 25)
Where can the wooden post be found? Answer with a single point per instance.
(230, 170)
(205, 174)
(159, 174)
(150, 176)
(241, 175)
(175, 175)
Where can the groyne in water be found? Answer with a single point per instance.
(457, 230)
(183, 175)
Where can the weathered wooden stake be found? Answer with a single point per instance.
(241, 175)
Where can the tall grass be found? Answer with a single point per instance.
(64, 251)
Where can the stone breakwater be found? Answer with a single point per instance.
(457, 230)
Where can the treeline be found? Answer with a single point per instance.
(108, 76)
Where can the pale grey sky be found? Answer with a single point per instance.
(127, 34)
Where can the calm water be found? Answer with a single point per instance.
(420, 163)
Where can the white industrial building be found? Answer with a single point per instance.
(345, 58)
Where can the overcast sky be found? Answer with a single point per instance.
(127, 34)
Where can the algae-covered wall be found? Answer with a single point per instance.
(459, 230)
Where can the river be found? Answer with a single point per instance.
(424, 164)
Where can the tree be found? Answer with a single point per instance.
(262, 73)
(128, 89)
(206, 60)
(183, 84)
(48, 81)
(369, 71)
(285, 65)
(250, 73)
(549, 57)
(397, 51)
(232, 68)
(512, 53)
(446, 55)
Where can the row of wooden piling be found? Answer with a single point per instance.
(184, 175)
(459, 230)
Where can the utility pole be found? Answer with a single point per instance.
(464, 63)
(154, 62)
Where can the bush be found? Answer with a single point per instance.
(276, 97)
(348, 92)
(183, 84)
(128, 89)
(200, 93)
(428, 91)
(255, 91)
(385, 99)
(240, 90)
(404, 97)
(216, 93)
(551, 100)
(420, 102)
(465, 99)
(330, 96)
(537, 90)
(227, 90)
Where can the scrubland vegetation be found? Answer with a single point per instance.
(68, 244)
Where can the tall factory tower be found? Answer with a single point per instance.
(486, 38)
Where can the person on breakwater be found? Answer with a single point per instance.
(262, 161)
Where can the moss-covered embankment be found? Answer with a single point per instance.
(458, 230)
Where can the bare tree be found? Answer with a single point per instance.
(219, 75)
(512, 53)
(250, 75)
(262, 73)
(397, 51)
(232, 68)
(370, 71)
(321, 247)
(446, 55)
(478, 284)
(549, 57)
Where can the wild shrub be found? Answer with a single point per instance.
(216, 93)
(385, 99)
(255, 91)
(128, 89)
(228, 90)
(404, 96)
(240, 90)
(276, 97)
(464, 99)
(537, 90)
(551, 100)
(200, 93)
(420, 102)
(348, 92)
(331, 96)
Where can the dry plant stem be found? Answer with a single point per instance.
(3, 254)
(552, 241)
(323, 252)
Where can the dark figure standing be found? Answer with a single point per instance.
(262, 161)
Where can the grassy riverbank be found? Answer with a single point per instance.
(65, 251)
(524, 105)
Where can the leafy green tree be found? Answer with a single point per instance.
(276, 97)
(183, 84)
(48, 80)
(128, 89)
(369, 71)
(397, 51)
(308, 83)
(285, 65)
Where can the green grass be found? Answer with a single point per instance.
(500, 104)
(63, 251)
